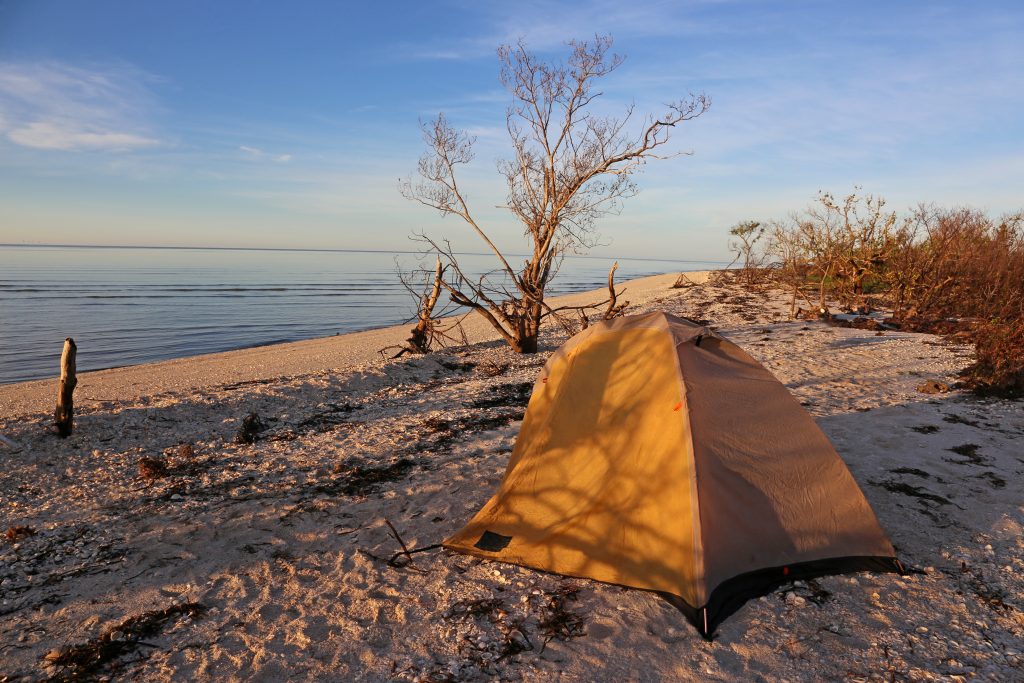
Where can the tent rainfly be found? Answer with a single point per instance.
(658, 455)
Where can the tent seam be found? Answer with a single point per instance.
(698, 528)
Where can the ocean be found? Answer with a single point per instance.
(129, 305)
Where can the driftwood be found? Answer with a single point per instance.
(428, 333)
(683, 282)
(613, 310)
(63, 416)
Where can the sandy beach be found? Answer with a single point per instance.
(154, 545)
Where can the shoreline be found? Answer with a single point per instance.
(267, 558)
(258, 362)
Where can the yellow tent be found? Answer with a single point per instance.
(659, 455)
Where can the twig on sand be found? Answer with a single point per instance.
(394, 532)
(393, 561)
(10, 443)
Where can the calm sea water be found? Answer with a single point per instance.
(126, 305)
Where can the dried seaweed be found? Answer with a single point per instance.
(152, 468)
(992, 478)
(84, 661)
(250, 430)
(443, 432)
(483, 607)
(556, 621)
(360, 479)
(956, 419)
(492, 368)
(334, 415)
(17, 532)
(505, 396)
(457, 366)
(970, 452)
(911, 470)
(913, 491)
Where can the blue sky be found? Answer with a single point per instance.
(288, 124)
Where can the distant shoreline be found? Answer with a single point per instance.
(269, 361)
(336, 251)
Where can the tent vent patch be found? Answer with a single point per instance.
(492, 542)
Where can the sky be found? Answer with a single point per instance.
(259, 124)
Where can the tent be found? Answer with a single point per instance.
(657, 454)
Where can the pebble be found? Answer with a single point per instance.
(519, 639)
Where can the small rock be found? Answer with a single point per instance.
(520, 640)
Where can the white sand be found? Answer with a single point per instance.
(282, 550)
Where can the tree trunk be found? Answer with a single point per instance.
(419, 340)
(528, 329)
(63, 416)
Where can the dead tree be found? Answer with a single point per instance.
(570, 167)
(64, 415)
(419, 341)
(791, 260)
(428, 333)
(746, 235)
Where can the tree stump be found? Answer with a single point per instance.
(63, 416)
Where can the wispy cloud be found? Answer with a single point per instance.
(547, 25)
(57, 106)
(257, 153)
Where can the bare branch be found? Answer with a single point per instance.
(569, 168)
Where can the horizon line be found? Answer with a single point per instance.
(327, 250)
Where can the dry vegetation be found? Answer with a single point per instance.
(949, 271)
(570, 166)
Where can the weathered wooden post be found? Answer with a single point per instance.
(64, 415)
